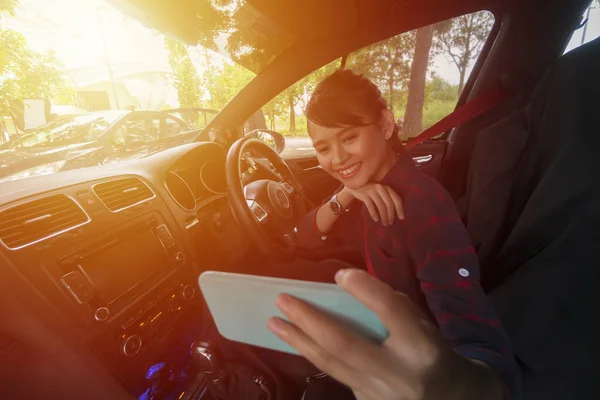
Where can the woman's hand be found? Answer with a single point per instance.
(382, 202)
(412, 363)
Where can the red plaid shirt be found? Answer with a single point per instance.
(427, 256)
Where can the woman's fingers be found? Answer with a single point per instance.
(381, 207)
(389, 204)
(319, 356)
(397, 200)
(371, 208)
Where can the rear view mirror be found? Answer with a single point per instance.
(275, 140)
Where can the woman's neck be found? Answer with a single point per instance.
(391, 158)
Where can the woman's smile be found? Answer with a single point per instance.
(350, 171)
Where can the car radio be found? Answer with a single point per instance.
(108, 277)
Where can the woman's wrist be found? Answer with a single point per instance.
(345, 197)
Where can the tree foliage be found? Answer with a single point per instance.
(223, 82)
(386, 63)
(186, 79)
(26, 73)
(390, 64)
(461, 39)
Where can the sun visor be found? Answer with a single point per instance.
(178, 19)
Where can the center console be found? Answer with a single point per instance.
(131, 289)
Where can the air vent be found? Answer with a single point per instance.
(120, 194)
(28, 223)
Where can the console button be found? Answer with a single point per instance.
(128, 322)
(88, 201)
(101, 314)
(188, 292)
(132, 345)
(79, 287)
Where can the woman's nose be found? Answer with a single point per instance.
(340, 156)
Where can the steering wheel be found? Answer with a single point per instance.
(264, 209)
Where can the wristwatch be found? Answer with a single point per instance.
(335, 206)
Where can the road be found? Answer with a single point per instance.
(298, 147)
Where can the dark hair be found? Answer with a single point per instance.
(348, 99)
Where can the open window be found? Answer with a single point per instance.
(421, 74)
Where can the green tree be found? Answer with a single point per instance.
(386, 63)
(439, 89)
(224, 82)
(460, 39)
(25, 73)
(187, 81)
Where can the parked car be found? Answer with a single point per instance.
(97, 138)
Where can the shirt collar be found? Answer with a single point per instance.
(397, 175)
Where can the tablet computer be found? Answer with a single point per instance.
(241, 305)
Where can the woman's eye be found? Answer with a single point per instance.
(350, 138)
(322, 150)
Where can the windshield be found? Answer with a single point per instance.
(67, 130)
(107, 87)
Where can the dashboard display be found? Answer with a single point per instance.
(120, 267)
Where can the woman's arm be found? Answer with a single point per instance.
(382, 203)
(448, 272)
(325, 218)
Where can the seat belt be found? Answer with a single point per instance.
(471, 109)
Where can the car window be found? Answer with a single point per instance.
(440, 56)
(174, 127)
(590, 30)
(67, 131)
(194, 118)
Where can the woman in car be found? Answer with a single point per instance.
(410, 235)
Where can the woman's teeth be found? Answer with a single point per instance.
(350, 170)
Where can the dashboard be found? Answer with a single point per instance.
(100, 265)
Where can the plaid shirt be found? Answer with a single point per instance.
(427, 256)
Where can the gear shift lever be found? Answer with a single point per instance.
(227, 382)
(205, 355)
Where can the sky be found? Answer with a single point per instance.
(74, 29)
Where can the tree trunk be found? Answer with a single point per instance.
(461, 82)
(391, 89)
(292, 117)
(272, 121)
(413, 118)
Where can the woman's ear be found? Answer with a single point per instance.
(388, 123)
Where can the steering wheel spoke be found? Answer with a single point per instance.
(289, 188)
(264, 208)
(258, 211)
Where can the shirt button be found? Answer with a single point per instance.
(323, 237)
(463, 272)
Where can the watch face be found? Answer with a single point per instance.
(335, 207)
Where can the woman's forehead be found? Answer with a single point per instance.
(316, 131)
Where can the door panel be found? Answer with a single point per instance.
(429, 157)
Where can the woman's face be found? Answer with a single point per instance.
(353, 155)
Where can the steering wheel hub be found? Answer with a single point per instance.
(263, 208)
(279, 199)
